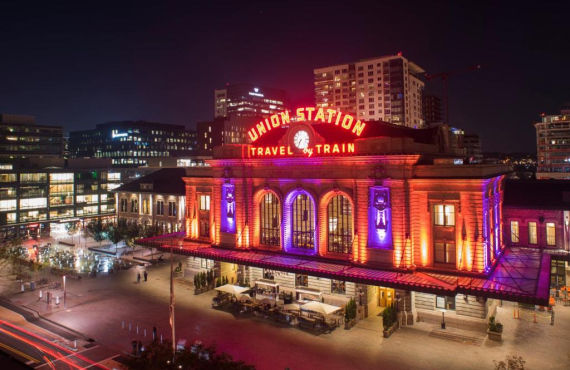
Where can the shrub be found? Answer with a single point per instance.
(495, 325)
(350, 310)
(389, 316)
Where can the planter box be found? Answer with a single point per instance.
(494, 335)
(349, 324)
(391, 330)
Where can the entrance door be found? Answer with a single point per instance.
(204, 215)
(385, 297)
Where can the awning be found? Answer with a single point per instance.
(521, 274)
(232, 289)
(268, 283)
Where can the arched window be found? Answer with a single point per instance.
(303, 222)
(270, 230)
(339, 211)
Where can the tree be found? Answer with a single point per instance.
(96, 231)
(512, 362)
(159, 356)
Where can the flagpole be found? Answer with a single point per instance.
(172, 302)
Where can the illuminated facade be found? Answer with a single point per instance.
(397, 216)
(248, 100)
(386, 89)
(21, 137)
(132, 143)
(34, 202)
(553, 146)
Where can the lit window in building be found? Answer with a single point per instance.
(145, 206)
(339, 212)
(204, 202)
(123, 205)
(268, 274)
(550, 233)
(134, 205)
(301, 280)
(270, 232)
(444, 215)
(303, 226)
(338, 287)
(515, 232)
(160, 207)
(172, 208)
(532, 233)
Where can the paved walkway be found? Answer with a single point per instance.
(105, 307)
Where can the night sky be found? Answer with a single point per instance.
(80, 63)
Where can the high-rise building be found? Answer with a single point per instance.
(245, 99)
(432, 109)
(553, 146)
(21, 137)
(386, 88)
(472, 145)
(222, 130)
(132, 143)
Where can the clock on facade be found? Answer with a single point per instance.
(301, 139)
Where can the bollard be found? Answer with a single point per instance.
(160, 338)
(57, 300)
(41, 294)
(137, 329)
(145, 332)
(22, 287)
(129, 326)
(75, 343)
(122, 324)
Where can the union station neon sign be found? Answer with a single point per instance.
(302, 139)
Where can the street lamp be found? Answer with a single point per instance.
(64, 291)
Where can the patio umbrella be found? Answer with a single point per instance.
(322, 308)
(231, 289)
(292, 307)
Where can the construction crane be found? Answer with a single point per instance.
(444, 78)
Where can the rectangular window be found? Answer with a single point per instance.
(338, 287)
(204, 202)
(550, 233)
(268, 274)
(532, 237)
(123, 205)
(172, 208)
(134, 205)
(444, 253)
(160, 207)
(515, 232)
(146, 209)
(444, 302)
(444, 215)
(301, 280)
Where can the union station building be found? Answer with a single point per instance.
(329, 208)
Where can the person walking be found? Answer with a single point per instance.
(138, 277)
(145, 275)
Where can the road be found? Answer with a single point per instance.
(41, 353)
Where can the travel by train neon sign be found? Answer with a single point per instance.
(308, 114)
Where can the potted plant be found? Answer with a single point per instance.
(389, 320)
(495, 329)
(350, 314)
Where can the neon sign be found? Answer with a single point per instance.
(287, 150)
(313, 114)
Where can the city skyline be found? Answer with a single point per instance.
(77, 66)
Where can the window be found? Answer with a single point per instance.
(270, 233)
(444, 253)
(550, 233)
(515, 231)
(123, 205)
(301, 280)
(33, 203)
(444, 302)
(8, 205)
(444, 215)
(338, 287)
(146, 209)
(339, 212)
(268, 274)
(134, 205)
(204, 202)
(8, 177)
(532, 237)
(172, 208)
(160, 207)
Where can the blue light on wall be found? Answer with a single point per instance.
(228, 209)
(380, 218)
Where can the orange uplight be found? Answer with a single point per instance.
(424, 249)
(246, 236)
(468, 258)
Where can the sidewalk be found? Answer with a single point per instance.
(105, 307)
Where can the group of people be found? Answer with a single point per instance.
(145, 275)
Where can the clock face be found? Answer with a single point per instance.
(301, 139)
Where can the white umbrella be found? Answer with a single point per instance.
(231, 289)
(292, 307)
(322, 308)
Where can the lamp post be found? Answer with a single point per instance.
(64, 291)
(172, 301)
